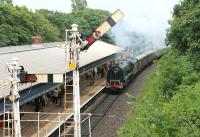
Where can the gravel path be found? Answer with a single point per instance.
(117, 114)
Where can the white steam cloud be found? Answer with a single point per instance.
(144, 25)
(139, 33)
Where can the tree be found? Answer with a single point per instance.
(18, 25)
(78, 5)
(6, 1)
(184, 31)
(87, 19)
(58, 19)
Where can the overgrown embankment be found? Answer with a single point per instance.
(169, 105)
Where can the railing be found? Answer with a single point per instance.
(42, 124)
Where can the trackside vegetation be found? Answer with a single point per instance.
(169, 104)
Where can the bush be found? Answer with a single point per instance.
(169, 104)
(184, 31)
(173, 69)
(18, 25)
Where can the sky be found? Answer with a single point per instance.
(144, 16)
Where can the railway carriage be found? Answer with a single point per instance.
(150, 56)
(142, 61)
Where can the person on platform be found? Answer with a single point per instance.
(60, 96)
(38, 105)
(55, 95)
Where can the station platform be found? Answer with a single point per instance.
(54, 115)
(51, 118)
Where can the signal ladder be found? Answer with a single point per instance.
(8, 122)
(68, 108)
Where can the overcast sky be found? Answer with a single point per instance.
(140, 14)
(148, 16)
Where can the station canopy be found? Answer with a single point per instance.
(49, 59)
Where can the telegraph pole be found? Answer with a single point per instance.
(73, 65)
(14, 97)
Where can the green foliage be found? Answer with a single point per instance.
(58, 19)
(169, 105)
(175, 116)
(6, 1)
(78, 5)
(171, 76)
(48, 32)
(184, 32)
(140, 120)
(18, 25)
(87, 19)
(91, 19)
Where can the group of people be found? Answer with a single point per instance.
(49, 98)
(91, 76)
(56, 96)
(96, 73)
(101, 71)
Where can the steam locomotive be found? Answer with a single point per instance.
(127, 66)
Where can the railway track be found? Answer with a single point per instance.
(102, 103)
(94, 97)
(98, 107)
(98, 111)
(117, 114)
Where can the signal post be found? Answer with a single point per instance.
(14, 69)
(74, 51)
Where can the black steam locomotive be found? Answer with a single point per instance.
(126, 67)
